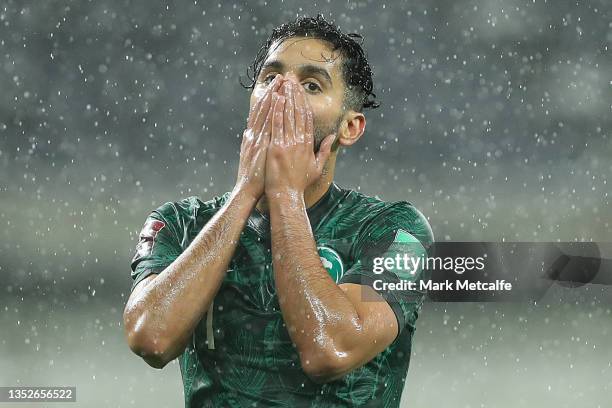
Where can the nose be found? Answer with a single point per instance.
(285, 79)
(289, 76)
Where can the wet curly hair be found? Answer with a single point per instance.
(356, 70)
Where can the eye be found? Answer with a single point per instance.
(309, 88)
(269, 78)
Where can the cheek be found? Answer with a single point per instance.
(322, 104)
(323, 108)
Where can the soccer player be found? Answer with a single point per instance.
(265, 294)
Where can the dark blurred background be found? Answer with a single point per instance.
(495, 122)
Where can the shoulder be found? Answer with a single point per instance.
(405, 215)
(415, 221)
(188, 209)
(383, 216)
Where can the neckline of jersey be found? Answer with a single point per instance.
(325, 199)
(315, 212)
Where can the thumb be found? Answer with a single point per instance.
(325, 150)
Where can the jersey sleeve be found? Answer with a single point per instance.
(400, 233)
(158, 245)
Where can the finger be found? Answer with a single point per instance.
(267, 103)
(309, 127)
(266, 131)
(277, 121)
(324, 151)
(289, 114)
(308, 121)
(254, 113)
(281, 88)
(285, 91)
(254, 110)
(263, 112)
(300, 114)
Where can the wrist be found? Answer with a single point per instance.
(246, 194)
(285, 193)
(285, 199)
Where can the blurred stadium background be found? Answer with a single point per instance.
(495, 122)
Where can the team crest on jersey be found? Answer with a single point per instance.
(332, 262)
(147, 237)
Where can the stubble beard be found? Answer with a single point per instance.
(321, 131)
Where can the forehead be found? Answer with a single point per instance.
(302, 50)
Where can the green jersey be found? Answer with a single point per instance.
(240, 354)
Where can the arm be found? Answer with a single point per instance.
(161, 313)
(332, 328)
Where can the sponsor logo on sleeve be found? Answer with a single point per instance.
(147, 237)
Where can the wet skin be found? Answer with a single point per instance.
(333, 329)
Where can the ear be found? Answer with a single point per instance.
(351, 128)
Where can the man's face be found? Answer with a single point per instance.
(310, 63)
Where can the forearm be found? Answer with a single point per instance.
(168, 309)
(317, 312)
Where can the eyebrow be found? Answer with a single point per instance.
(303, 69)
